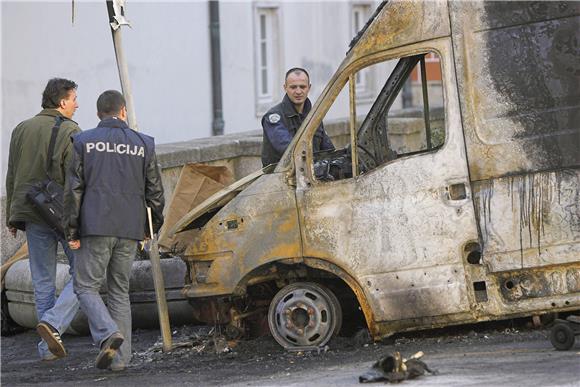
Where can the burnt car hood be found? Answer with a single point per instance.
(211, 205)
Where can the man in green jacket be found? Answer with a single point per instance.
(27, 162)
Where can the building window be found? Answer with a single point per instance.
(360, 14)
(267, 56)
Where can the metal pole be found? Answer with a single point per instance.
(159, 284)
(352, 121)
(426, 103)
(216, 74)
(116, 20)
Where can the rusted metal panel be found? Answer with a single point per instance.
(518, 69)
(266, 230)
(219, 199)
(529, 220)
(360, 294)
(428, 291)
(520, 285)
(398, 25)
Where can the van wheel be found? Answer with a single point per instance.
(304, 314)
(562, 336)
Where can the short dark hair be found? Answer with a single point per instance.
(55, 90)
(296, 70)
(110, 103)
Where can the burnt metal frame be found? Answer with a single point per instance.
(385, 100)
(425, 103)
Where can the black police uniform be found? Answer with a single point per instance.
(113, 177)
(280, 124)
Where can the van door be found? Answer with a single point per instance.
(399, 218)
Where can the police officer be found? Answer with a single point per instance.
(282, 121)
(113, 177)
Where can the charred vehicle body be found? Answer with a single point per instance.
(469, 213)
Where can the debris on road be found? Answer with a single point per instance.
(394, 369)
(198, 340)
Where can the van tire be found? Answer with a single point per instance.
(304, 314)
(562, 336)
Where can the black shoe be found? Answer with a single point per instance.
(52, 338)
(108, 350)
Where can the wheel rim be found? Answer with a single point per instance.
(302, 316)
(561, 336)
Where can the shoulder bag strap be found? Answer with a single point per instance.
(52, 144)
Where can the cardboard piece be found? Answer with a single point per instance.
(196, 183)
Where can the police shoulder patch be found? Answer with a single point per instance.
(274, 118)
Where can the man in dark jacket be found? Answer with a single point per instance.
(282, 121)
(113, 177)
(27, 164)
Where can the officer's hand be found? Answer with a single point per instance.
(12, 231)
(75, 245)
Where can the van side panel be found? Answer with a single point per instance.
(518, 73)
(518, 67)
(529, 221)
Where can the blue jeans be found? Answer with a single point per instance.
(42, 247)
(112, 258)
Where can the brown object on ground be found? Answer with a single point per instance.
(394, 369)
(21, 253)
(196, 183)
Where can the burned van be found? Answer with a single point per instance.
(466, 211)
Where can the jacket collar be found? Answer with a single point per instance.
(289, 109)
(53, 113)
(113, 122)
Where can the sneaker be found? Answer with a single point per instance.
(109, 350)
(52, 338)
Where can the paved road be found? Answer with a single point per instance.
(478, 355)
(529, 363)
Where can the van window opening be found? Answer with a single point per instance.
(403, 118)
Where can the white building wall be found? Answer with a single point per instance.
(324, 42)
(168, 55)
(169, 65)
(238, 78)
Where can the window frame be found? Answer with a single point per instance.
(365, 81)
(390, 96)
(347, 82)
(298, 164)
(271, 13)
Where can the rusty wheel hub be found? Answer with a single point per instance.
(303, 315)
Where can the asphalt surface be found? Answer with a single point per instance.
(508, 353)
